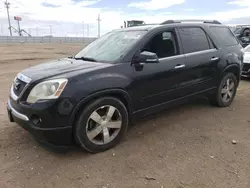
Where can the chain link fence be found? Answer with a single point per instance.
(54, 40)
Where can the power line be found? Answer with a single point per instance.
(7, 5)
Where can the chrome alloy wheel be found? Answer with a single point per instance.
(103, 125)
(227, 90)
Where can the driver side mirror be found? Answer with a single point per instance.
(147, 57)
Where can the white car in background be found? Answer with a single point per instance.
(246, 63)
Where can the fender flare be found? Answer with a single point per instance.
(234, 65)
(230, 66)
(99, 94)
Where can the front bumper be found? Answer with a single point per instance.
(60, 136)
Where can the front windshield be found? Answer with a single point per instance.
(111, 46)
(237, 30)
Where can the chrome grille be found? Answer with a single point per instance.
(19, 85)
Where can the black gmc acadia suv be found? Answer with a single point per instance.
(91, 97)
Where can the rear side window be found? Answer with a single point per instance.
(223, 36)
(193, 40)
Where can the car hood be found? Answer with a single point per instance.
(247, 57)
(61, 67)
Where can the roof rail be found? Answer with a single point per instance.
(180, 21)
(148, 24)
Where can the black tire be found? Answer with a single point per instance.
(216, 99)
(80, 133)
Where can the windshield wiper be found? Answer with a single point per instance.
(85, 59)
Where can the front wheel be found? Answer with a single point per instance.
(226, 91)
(102, 125)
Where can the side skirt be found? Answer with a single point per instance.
(169, 104)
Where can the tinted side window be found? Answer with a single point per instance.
(193, 39)
(223, 36)
(163, 44)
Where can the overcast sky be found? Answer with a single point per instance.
(66, 17)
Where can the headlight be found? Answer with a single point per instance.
(50, 89)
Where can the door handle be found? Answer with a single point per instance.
(215, 58)
(179, 66)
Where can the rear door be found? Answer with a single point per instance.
(201, 59)
(227, 45)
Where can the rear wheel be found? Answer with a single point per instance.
(102, 125)
(226, 91)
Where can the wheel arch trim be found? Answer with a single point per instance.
(234, 65)
(108, 92)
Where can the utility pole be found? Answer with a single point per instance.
(83, 29)
(19, 29)
(76, 30)
(50, 33)
(99, 25)
(2, 29)
(50, 30)
(88, 30)
(7, 5)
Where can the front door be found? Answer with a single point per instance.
(155, 84)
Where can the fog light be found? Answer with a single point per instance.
(36, 120)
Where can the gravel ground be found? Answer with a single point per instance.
(189, 146)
